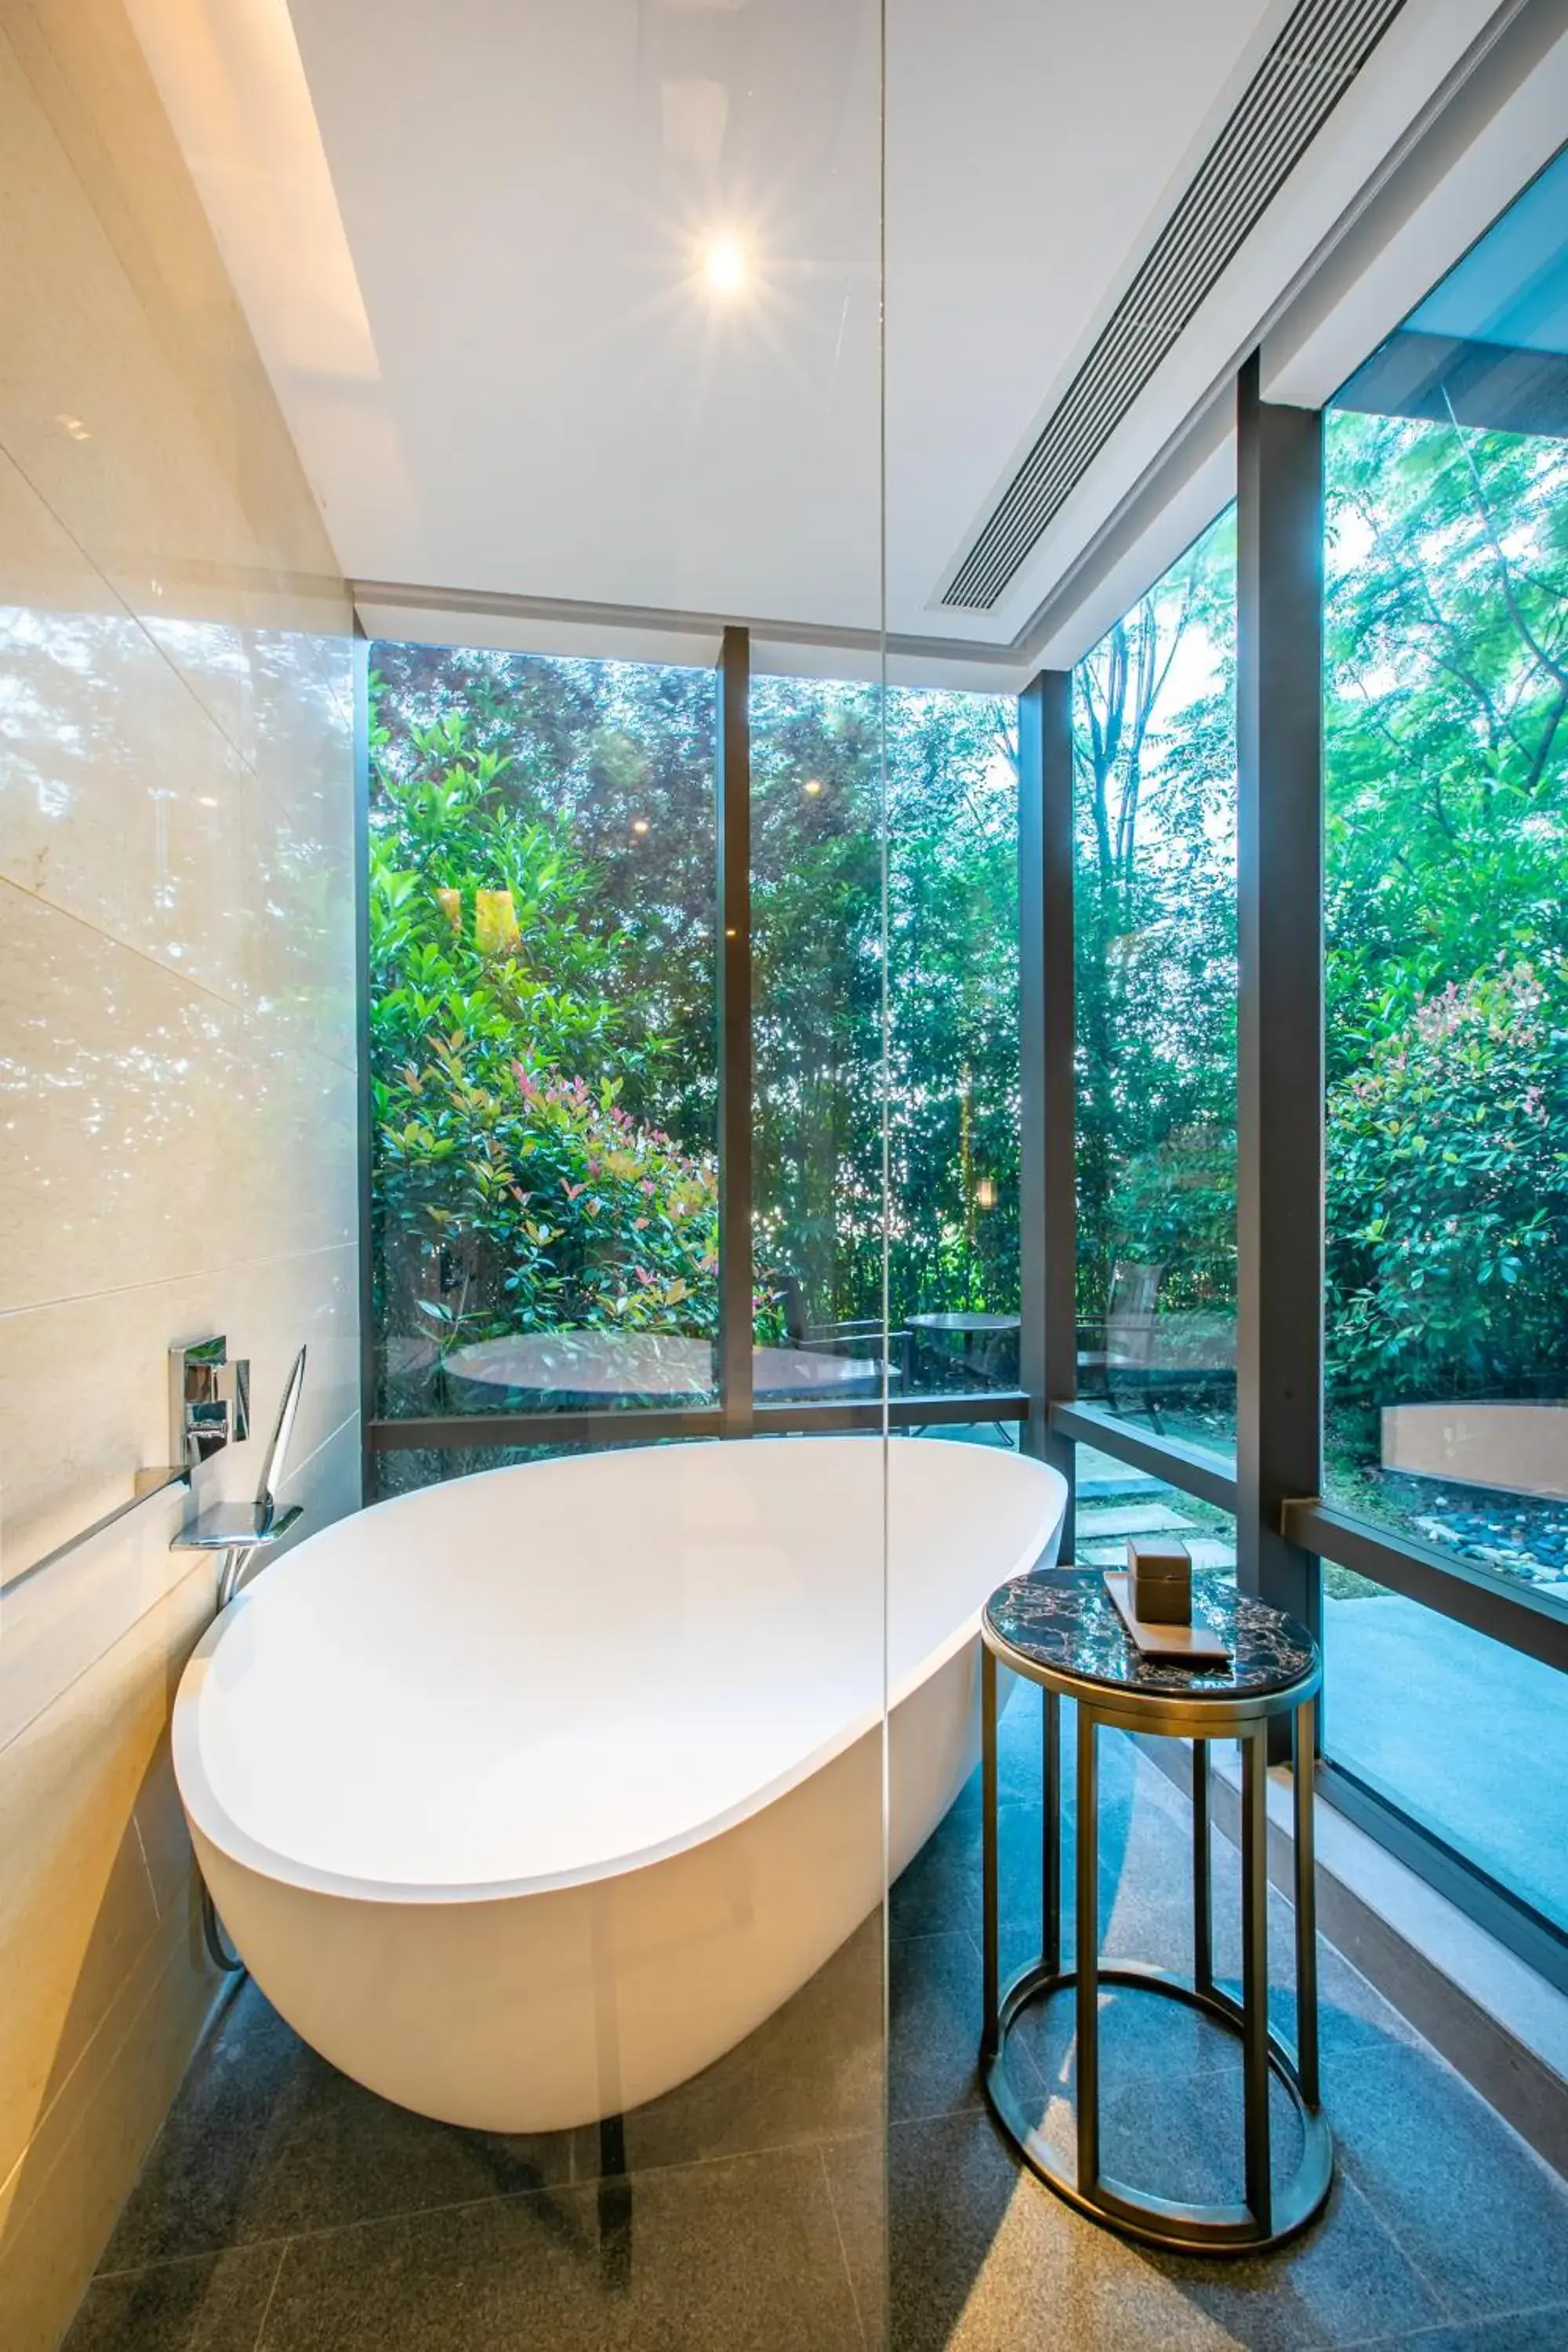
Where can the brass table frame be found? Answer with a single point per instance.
(1269, 2215)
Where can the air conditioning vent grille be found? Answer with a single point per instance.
(1320, 49)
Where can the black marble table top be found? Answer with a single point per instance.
(1064, 1620)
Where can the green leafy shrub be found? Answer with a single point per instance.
(515, 1192)
(1448, 1194)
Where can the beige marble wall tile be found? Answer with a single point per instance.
(84, 1404)
(141, 831)
(328, 1483)
(147, 1126)
(201, 542)
(177, 1098)
(52, 1627)
(236, 872)
(78, 1904)
(61, 2202)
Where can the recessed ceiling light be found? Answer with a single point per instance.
(811, 786)
(724, 266)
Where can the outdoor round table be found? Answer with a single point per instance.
(610, 1366)
(964, 1323)
(1061, 1629)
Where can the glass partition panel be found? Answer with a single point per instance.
(817, 1032)
(1447, 917)
(1154, 734)
(542, 1055)
(682, 376)
(953, 1073)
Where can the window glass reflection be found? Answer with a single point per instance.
(542, 878)
(1114, 1501)
(1447, 919)
(1154, 739)
(949, 1085)
(1450, 1728)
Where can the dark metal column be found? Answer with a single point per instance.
(1203, 1891)
(1086, 1926)
(990, 1894)
(1047, 1368)
(1051, 1831)
(1254, 1974)
(734, 999)
(1279, 1219)
(1306, 1905)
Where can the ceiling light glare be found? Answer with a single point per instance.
(640, 824)
(724, 266)
(811, 786)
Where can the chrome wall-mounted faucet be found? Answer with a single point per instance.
(242, 1530)
(209, 1400)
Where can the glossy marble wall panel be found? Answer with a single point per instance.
(177, 1089)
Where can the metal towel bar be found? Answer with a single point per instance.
(148, 1484)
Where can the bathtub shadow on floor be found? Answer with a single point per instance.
(283, 2208)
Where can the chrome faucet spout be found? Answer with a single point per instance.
(277, 1458)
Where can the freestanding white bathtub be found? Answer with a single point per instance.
(526, 1796)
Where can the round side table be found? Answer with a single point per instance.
(1061, 1630)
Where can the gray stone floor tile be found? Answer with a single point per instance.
(984, 2259)
(1169, 2127)
(214, 2303)
(1520, 2331)
(741, 2255)
(1476, 2211)
(755, 2207)
(814, 2069)
(935, 1992)
(264, 2139)
(1341, 2284)
(984, 2256)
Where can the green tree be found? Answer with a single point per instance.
(514, 1189)
(1446, 917)
(1155, 940)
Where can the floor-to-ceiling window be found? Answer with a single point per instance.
(541, 1005)
(1447, 1004)
(816, 915)
(952, 1085)
(946, 774)
(544, 1051)
(1154, 886)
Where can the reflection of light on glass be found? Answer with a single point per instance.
(985, 1193)
(640, 824)
(206, 800)
(724, 266)
(812, 785)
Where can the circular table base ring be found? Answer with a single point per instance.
(1156, 2221)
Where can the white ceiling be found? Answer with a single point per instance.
(468, 237)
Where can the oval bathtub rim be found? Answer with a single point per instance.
(211, 1818)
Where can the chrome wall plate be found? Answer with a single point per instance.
(209, 1400)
